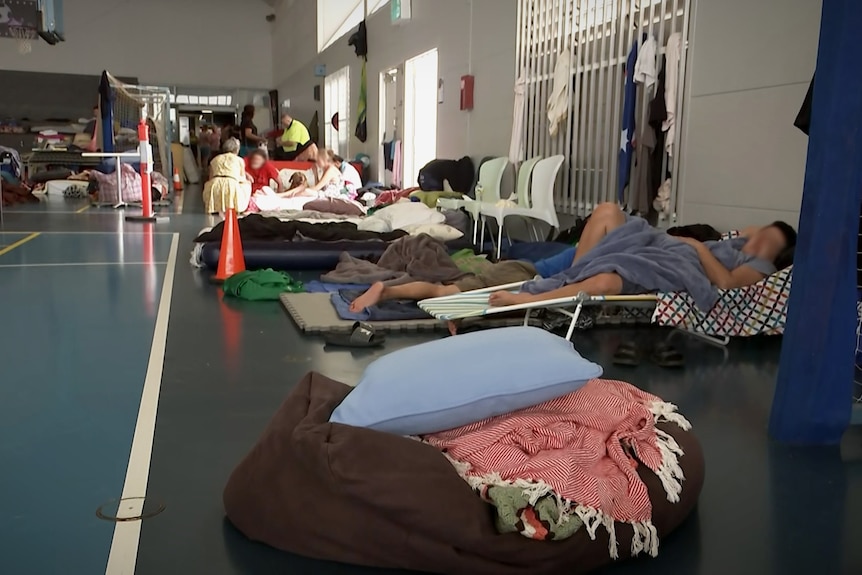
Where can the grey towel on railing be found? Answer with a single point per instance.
(641, 255)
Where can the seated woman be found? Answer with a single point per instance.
(598, 269)
(331, 182)
(262, 172)
(229, 186)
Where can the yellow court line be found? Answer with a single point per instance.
(19, 243)
(84, 209)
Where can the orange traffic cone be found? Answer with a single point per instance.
(230, 259)
(178, 184)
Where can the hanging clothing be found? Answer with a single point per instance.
(516, 146)
(645, 68)
(673, 55)
(628, 129)
(642, 194)
(558, 102)
(361, 132)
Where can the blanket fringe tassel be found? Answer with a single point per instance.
(645, 536)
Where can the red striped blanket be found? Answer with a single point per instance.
(583, 447)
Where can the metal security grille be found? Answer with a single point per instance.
(598, 36)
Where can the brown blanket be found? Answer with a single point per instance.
(411, 258)
(364, 497)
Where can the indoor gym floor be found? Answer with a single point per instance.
(80, 295)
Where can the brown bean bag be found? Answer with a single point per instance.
(358, 496)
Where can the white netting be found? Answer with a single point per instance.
(130, 104)
(25, 37)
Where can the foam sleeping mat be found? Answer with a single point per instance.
(304, 254)
(298, 255)
(313, 314)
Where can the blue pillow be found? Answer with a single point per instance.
(458, 380)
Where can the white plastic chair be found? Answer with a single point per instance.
(490, 179)
(540, 205)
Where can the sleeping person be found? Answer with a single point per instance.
(620, 254)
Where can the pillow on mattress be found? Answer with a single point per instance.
(459, 380)
(400, 215)
(285, 174)
(441, 232)
(335, 206)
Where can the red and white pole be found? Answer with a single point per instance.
(145, 151)
(146, 168)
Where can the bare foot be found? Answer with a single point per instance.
(453, 327)
(368, 299)
(504, 298)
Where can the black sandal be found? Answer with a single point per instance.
(666, 355)
(627, 353)
(361, 336)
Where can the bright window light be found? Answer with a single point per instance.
(335, 18)
(336, 100)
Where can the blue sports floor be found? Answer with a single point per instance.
(98, 349)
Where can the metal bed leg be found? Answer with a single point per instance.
(710, 339)
(574, 321)
(527, 318)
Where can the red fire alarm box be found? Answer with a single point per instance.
(467, 92)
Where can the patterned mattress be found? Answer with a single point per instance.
(759, 309)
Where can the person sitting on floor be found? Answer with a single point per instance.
(262, 172)
(14, 191)
(229, 187)
(726, 264)
(295, 142)
(331, 182)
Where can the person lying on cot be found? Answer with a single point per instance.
(726, 264)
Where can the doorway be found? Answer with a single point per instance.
(391, 120)
(420, 114)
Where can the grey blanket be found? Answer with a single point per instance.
(411, 258)
(641, 255)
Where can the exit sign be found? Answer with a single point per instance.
(401, 10)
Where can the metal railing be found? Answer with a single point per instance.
(598, 36)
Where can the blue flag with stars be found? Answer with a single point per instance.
(628, 131)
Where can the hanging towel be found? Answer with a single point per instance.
(673, 54)
(628, 131)
(261, 285)
(645, 68)
(362, 107)
(558, 103)
(516, 147)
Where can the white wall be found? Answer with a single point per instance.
(751, 62)
(166, 42)
(442, 24)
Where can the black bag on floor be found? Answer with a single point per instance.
(459, 174)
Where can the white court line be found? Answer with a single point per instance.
(112, 233)
(73, 264)
(12, 212)
(127, 534)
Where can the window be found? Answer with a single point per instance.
(335, 18)
(336, 100)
